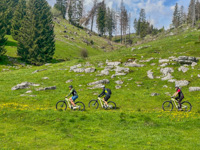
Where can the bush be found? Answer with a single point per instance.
(84, 53)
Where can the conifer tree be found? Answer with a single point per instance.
(2, 28)
(191, 13)
(18, 18)
(61, 5)
(176, 16)
(110, 24)
(101, 18)
(197, 10)
(36, 43)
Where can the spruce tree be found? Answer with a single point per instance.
(36, 43)
(2, 28)
(101, 18)
(176, 16)
(191, 13)
(18, 18)
(61, 6)
(110, 24)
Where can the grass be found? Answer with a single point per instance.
(139, 123)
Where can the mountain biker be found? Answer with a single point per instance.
(179, 97)
(74, 97)
(107, 93)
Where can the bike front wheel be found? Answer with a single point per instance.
(61, 105)
(93, 104)
(79, 106)
(111, 105)
(186, 106)
(167, 106)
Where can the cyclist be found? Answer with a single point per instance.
(74, 97)
(179, 97)
(107, 93)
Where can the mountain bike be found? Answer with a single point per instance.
(168, 105)
(94, 104)
(62, 105)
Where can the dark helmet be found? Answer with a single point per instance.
(71, 86)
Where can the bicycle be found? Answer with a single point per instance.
(62, 105)
(168, 105)
(94, 104)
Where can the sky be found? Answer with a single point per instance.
(158, 12)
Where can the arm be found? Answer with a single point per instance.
(102, 93)
(69, 93)
(175, 94)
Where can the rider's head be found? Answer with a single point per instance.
(70, 87)
(103, 86)
(176, 87)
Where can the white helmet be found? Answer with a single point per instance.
(103, 86)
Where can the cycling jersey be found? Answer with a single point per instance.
(73, 92)
(180, 94)
(106, 92)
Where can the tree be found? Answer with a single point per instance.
(110, 24)
(61, 6)
(197, 10)
(93, 13)
(191, 13)
(101, 18)
(2, 28)
(17, 18)
(123, 20)
(182, 16)
(143, 25)
(176, 16)
(36, 43)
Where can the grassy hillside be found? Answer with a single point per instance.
(31, 121)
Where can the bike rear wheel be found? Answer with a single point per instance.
(93, 104)
(79, 106)
(61, 105)
(167, 106)
(111, 105)
(186, 106)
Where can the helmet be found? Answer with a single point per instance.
(176, 86)
(71, 86)
(103, 86)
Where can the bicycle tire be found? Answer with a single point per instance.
(61, 105)
(80, 105)
(93, 104)
(186, 105)
(167, 106)
(111, 105)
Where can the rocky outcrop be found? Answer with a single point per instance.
(150, 74)
(24, 85)
(186, 60)
(46, 88)
(182, 83)
(89, 70)
(166, 71)
(113, 63)
(104, 81)
(133, 64)
(183, 69)
(192, 89)
(119, 82)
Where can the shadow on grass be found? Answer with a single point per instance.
(11, 43)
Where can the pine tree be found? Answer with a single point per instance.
(110, 24)
(176, 17)
(93, 14)
(143, 24)
(197, 10)
(17, 18)
(191, 13)
(36, 43)
(101, 18)
(61, 6)
(2, 28)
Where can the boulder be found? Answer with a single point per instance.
(133, 49)
(89, 70)
(133, 64)
(119, 82)
(120, 74)
(79, 70)
(192, 89)
(28, 92)
(22, 85)
(113, 63)
(121, 69)
(165, 86)
(186, 60)
(104, 72)
(154, 94)
(172, 80)
(166, 71)
(164, 65)
(163, 61)
(38, 71)
(104, 81)
(182, 83)
(45, 78)
(118, 87)
(193, 64)
(97, 86)
(150, 74)
(183, 69)
(148, 60)
(68, 81)
(167, 77)
(198, 75)
(46, 88)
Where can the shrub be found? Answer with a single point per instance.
(84, 53)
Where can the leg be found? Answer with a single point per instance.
(72, 102)
(105, 99)
(180, 99)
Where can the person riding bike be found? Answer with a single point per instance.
(107, 93)
(180, 96)
(74, 97)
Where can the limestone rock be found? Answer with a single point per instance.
(198, 75)
(97, 86)
(113, 63)
(183, 69)
(150, 74)
(154, 94)
(166, 71)
(119, 82)
(148, 60)
(38, 71)
(68, 81)
(46, 88)
(192, 89)
(45, 78)
(133, 64)
(186, 60)
(89, 70)
(118, 87)
(167, 77)
(23, 85)
(121, 69)
(182, 83)
(104, 81)
(163, 61)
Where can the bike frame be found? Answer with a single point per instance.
(101, 101)
(69, 102)
(177, 104)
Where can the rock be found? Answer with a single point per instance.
(89, 70)
(113, 76)
(148, 60)
(167, 77)
(193, 64)
(167, 93)
(166, 71)
(104, 81)
(88, 64)
(133, 64)
(98, 86)
(186, 60)
(79, 70)
(192, 89)
(35, 84)
(118, 87)
(150, 74)
(100, 64)
(23, 85)
(163, 61)
(121, 69)
(120, 74)
(28, 92)
(104, 72)
(46, 88)
(113, 63)
(154, 94)
(165, 86)
(143, 47)
(181, 83)
(183, 69)
(68, 81)
(119, 82)
(39, 70)
(172, 80)
(133, 49)
(109, 68)
(153, 64)
(171, 33)
(198, 75)
(45, 78)
(164, 65)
